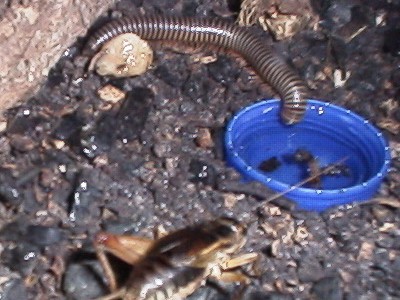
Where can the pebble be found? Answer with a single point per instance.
(40, 235)
(14, 289)
(310, 270)
(385, 242)
(204, 138)
(82, 283)
(10, 194)
(328, 288)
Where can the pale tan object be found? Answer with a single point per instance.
(124, 56)
(110, 93)
(204, 138)
(34, 36)
(283, 18)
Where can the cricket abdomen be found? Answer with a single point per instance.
(157, 279)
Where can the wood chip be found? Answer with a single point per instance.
(390, 125)
(387, 227)
(366, 251)
(3, 125)
(301, 234)
(111, 93)
(230, 200)
(204, 138)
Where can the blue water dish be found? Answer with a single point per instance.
(331, 134)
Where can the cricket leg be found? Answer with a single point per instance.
(119, 294)
(222, 273)
(127, 248)
(240, 260)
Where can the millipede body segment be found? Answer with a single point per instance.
(253, 48)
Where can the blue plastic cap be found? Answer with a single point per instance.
(330, 133)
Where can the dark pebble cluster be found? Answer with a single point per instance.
(72, 164)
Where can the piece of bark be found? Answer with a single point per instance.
(33, 36)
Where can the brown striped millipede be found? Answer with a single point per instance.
(260, 56)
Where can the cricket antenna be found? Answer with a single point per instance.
(301, 183)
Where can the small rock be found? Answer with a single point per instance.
(82, 283)
(204, 139)
(43, 235)
(385, 242)
(328, 288)
(310, 270)
(14, 289)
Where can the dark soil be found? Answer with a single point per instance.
(72, 165)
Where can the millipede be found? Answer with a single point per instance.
(213, 31)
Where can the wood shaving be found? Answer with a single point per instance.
(111, 93)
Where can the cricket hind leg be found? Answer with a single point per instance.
(119, 294)
(128, 248)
